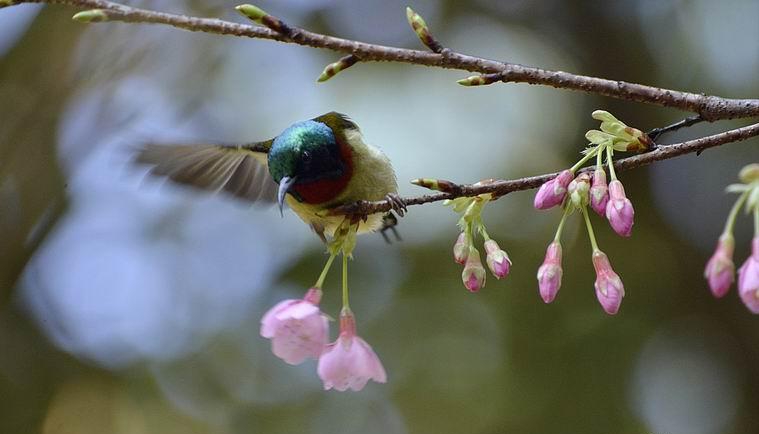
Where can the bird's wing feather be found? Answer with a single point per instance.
(238, 170)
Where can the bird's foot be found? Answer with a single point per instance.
(389, 222)
(397, 204)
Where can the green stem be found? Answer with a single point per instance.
(591, 235)
(599, 158)
(734, 212)
(592, 153)
(756, 222)
(346, 306)
(325, 270)
(483, 232)
(610, 161)
(557, 237)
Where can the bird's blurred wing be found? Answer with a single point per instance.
(239, 170)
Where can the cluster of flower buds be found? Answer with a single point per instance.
(299, 330)
(464, 250)
(608, 200)
(720, 270)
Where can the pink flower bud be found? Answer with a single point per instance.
(609, 288)
(578, 190)
(619, 210)
(552, 192)
(599, 193)
(474, 273)
(549, 274)
(349, 362)
(498, 261)
(460, 249)
(748, 278)
(720, 270)
(297, 328)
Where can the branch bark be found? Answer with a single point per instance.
(709, 107)
(500, 188)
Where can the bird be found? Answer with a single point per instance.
(312, 166)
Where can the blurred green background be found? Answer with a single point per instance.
(132, 307)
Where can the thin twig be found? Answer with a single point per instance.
(710, 108)
(500, 188)
(687, 122)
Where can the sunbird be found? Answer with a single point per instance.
(313, 166)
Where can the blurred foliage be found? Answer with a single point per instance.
(138, 312)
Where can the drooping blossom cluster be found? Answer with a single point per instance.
(464, 250)
(576, 192)
(720, 269)
(299, 330)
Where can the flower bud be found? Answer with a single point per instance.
(748, 279)
(474, 273)
(619, 209)
(599, 192)
(578, 191)
(720, 270)
(552, 192)
(641, 142)
(498, 261)
(91, 16)
(461, 249)
(421, 29)
(549, 274)
(609, 288)
(333, 69)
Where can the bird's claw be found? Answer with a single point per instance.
(397, 204)
(389, 222)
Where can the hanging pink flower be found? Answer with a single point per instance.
(349, 362)
(297, 328)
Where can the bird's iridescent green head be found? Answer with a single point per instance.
(305, 153)
(306, 149)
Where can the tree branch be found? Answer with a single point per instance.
(500, 188)
(710, 108)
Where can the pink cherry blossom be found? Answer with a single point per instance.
(619, 209)
(720, 270)
(349, 362)
(552, 192)
(297, 328)
(748, 278)
(549, 274)
(498, 261)
(473, 275)
(599, 193)
(609, 288)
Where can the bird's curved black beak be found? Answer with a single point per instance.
(284, 186)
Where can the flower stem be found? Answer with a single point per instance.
(730, 223)
(591, 235)
(346, 306)
(325, 270)
(592, 153)
(599, 160)
(610, 161)
(483, 232)
(756, 222)
(557, 237)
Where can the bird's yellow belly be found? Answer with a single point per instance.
(313, 215)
